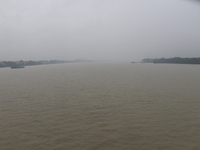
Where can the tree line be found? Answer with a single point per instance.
(30, 62)
(175, 60)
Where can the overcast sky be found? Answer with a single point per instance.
(98, 29)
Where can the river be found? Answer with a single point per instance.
(100, 106)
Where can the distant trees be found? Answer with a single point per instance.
(9, 63)
(31, 62)
(176, 60)
(147, 60)
(40, 62)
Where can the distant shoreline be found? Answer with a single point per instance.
(175, 60)
(4, 64)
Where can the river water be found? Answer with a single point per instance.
(100, 106)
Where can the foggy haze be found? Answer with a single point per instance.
(98, 30)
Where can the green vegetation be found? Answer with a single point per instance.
(175, 60)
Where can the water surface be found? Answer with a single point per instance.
(100, 106)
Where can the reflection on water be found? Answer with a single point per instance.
(105, 106)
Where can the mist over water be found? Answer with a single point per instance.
(100, 106)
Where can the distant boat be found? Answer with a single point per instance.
(16, 67)
(132, 62)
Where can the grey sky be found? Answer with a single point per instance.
(98, 29)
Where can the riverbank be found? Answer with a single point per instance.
(175, 60)
(41, 62)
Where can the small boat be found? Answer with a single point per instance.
(16, 67)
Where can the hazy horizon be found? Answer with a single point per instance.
(127, 30)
